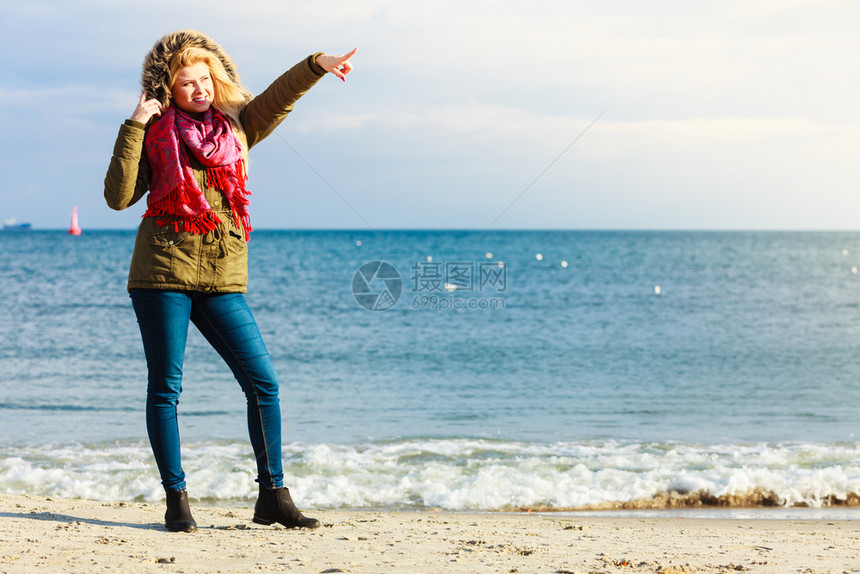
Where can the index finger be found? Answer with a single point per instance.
(346, 57)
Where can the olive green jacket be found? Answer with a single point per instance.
(216, 261)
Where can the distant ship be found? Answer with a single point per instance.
(12, 225)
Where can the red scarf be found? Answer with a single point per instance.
(174, 193)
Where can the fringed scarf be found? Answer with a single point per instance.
(175, 195)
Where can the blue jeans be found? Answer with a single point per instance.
(227, 323)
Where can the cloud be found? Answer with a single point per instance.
(65, 101)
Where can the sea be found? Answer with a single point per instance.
(549, 371)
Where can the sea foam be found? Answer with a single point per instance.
(461, 474)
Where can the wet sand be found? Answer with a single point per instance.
(41, 534)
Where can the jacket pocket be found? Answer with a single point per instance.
(236, 240)
(233, 273)
(172, 256)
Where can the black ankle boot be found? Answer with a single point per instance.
(276, 505)
(178, 516)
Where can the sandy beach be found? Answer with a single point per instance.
(42, 534)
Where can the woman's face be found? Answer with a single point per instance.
(193, 90)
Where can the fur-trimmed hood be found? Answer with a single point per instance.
(156, 72)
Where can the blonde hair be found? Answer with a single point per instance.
(230, 97)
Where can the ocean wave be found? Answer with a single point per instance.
(462, 474)
(63, 407)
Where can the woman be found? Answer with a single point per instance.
(186, 143)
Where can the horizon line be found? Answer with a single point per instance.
(474, 230)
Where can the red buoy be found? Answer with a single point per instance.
(75, 228)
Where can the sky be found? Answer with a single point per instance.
(469, 114)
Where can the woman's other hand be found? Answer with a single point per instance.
(145, 110)
(340, 66)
